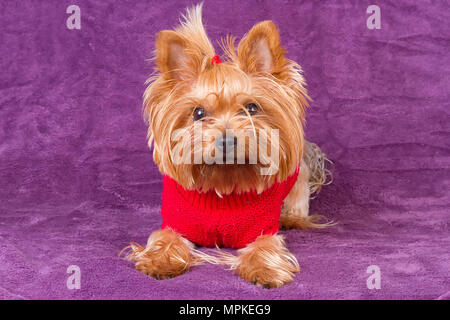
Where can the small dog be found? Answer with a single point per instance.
(214, 195)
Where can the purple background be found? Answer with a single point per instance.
(78, 181)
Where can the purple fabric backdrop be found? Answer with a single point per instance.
(78, 182)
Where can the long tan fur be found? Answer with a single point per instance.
(255, 71)
(186, 78)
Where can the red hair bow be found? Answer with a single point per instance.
(215, 59)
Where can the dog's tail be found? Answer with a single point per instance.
(316, 161)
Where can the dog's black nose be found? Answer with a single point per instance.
(226, 144)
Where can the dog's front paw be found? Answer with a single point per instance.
(264, 276)
(166, 255)
(267, 263)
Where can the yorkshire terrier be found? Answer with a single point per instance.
(222, 187)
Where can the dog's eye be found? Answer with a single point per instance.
(252, 108)
(198, 114)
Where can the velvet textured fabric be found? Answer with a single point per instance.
(77, 181)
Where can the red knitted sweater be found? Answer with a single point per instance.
(232, 221)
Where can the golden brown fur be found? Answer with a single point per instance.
(166, 255)
(186, 79)
(311, 178)
(255, 71)
(265, 262)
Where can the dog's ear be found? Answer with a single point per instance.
(260, 50)
(175, 56)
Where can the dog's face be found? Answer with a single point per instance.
(208, 121)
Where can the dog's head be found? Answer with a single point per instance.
(228, 126)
